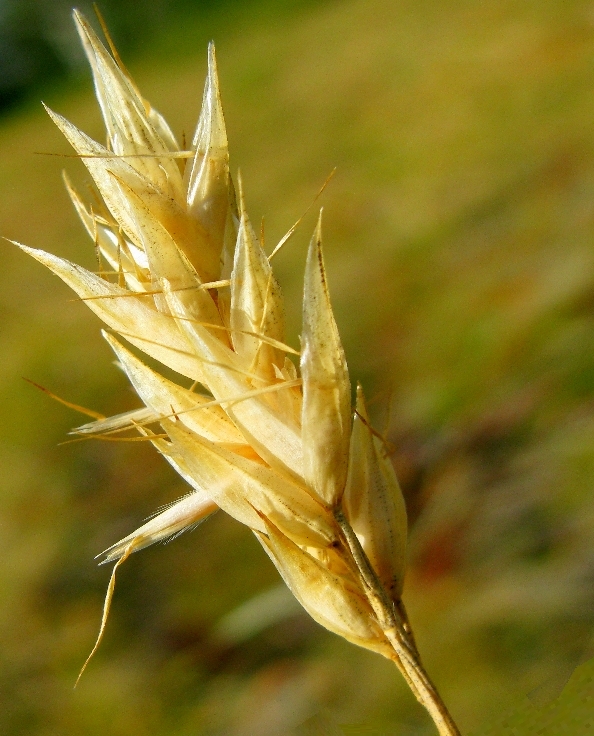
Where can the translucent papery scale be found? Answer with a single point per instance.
(129, 129)
(256, 305)
(166, 398)
(374, 503)
(274, 436)
(332, 600)
(134, 317)
(326, 414)
(250, 491)
(167, 263)
(108, 171)
(178, 517)
(209, 190)
(121, 255)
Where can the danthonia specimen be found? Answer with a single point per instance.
(183, 278)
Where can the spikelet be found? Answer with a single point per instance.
(194, 289)
(374, 504)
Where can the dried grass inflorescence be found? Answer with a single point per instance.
(277, 448)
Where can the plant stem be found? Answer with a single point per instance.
(394, 622)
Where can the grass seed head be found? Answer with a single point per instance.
(193, 288)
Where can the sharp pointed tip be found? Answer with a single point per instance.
(318, 232)
(314, 252)
(26, 248)
(211, 132)
(113, 342)
(56, 117)
(213, 76)
(92, 45)
(37, 253)
(81, 23)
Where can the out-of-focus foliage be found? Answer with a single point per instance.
(38, 45)
(460, 254)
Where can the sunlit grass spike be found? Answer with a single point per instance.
(272, 444)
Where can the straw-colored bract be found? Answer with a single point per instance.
(183, 278)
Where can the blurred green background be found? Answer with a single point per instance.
(459, 235)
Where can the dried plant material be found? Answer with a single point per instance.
(127, 420)
(177, 518)
(246, 490)
(326, 387)
(335, 602)
(256, 304)
(164, 398)
(192, 287)
(374, 505)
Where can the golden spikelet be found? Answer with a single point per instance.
(275, 447)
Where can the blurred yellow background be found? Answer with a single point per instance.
(459, 237)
